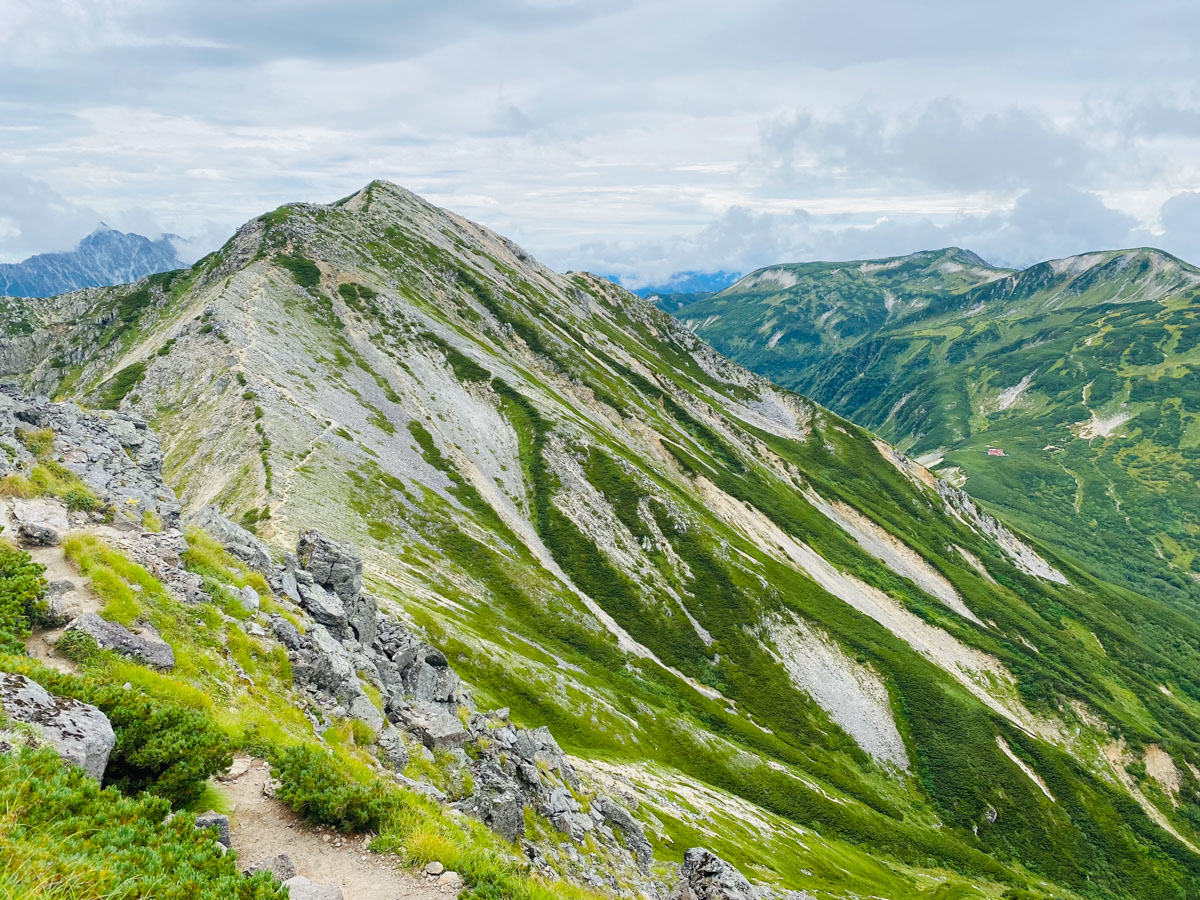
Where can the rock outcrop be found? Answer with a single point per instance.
(335, 591)
(334, 664)
(39, 521)
(115, 455)
(237, 540)
(79, 733)
(705, 876)
(145, 647)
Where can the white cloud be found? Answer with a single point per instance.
(1042, 224)
(642, 134)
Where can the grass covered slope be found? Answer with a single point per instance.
(723, 597)
(1084, 371)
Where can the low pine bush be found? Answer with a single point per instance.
(63, 836)
(167, 750)
(315, 786)
(22, 588)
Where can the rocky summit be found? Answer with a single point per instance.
(512, 571)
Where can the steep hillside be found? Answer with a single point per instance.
(789, 643)
(106, 256)
(1083, 371)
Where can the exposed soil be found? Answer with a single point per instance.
(261, 827)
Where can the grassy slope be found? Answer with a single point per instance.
(1120, 338)
(375, 336)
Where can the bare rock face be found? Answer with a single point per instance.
(705, 876)
(79, 733)
(146, 647)
(337, 569)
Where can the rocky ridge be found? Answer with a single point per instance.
(343, 650)
(596, 519)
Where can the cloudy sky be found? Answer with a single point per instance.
(638, 138)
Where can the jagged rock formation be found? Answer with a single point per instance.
(705, 876)
(144, 646)
(115, 455)
(106, 256)
(512, 768)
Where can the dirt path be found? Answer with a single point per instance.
(40, 645)
(260, 826)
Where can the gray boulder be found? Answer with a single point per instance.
(250, 599)
(323, 606)
(39, 521)
(433, 724)
(332, 565)
(213, 819)
(286, 633)
(326, 666)
(280, 866)
(239, 542)
(300, 888)
(506, 816)
(62, 605)
(79, 733)
(392, 748)
(146, 647)
(705, 876)
(618, 817)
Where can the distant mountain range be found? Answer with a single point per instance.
(1084, 371)
(683, 288)
(104, 257)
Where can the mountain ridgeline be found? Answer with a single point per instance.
(104, 257)
(787, 641)
(1083, 372)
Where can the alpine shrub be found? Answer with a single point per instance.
(63, 835)
(314, 786)
(21, 590)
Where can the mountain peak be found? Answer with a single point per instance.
(103, 257)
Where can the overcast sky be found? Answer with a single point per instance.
(629, 137)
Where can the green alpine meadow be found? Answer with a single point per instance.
(1062, 396)
(368, 540)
